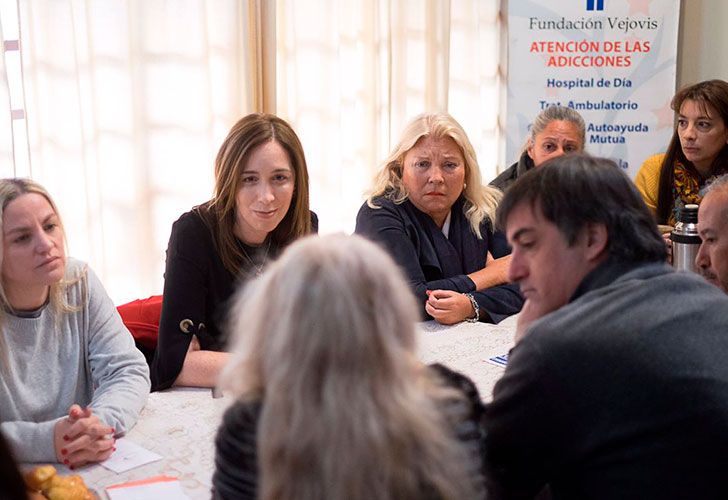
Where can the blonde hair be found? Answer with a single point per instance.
(480, 201)
(325, 340)
(11, 189)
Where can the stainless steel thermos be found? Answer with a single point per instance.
(685, 239)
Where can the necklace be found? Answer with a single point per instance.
(257, 264)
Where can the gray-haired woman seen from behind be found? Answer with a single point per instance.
(555, 131)
(332, 399)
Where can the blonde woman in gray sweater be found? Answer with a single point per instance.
(72, 380)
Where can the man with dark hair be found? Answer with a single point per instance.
(618, 384)
(712, 258)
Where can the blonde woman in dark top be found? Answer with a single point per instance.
(332, 401)
(259, 206)
(431, 211)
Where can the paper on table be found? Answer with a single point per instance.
(129, 455)
(501, 360)
(148, 489)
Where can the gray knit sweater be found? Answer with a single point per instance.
(86, 357)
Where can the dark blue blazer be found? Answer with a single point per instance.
(433, 262)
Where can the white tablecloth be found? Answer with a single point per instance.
(466, 347)
(180, 424)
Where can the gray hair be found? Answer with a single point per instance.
(557, 113)
(718, 184)
(327, 335)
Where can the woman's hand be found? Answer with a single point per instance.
(81, 438)
(448, 307)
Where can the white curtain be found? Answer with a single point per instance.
(128, 100)
(352, 74)
(13, 133)
(127, 103)
(7, 167)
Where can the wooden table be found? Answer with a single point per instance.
(180, 424)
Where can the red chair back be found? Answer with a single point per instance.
(141, 317)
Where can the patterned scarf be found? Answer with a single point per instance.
(686, 189)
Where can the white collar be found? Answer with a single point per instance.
(446, 224)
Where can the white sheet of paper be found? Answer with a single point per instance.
(129, 455)
(170, 490)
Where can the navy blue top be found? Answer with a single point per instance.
(433, 262)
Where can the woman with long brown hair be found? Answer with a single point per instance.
(259, 206)
(698, 151)
(332, 399)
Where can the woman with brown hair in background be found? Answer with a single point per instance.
(698, 151)
(260, 205)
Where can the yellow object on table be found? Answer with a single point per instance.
(45, 479)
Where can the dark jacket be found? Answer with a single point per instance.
(236, 458)
(197, 289)
(431, 261)
(622, 393)
(512, 173)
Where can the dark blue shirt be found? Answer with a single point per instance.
(432, 261)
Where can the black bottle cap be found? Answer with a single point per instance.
(688, 214)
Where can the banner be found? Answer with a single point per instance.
(613, 61)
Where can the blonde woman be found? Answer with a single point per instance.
(432, 213)
(332, 400)
(260, 205)
(72, 379)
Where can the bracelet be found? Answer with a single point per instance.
(476, 308)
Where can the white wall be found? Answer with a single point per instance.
(703, 41)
